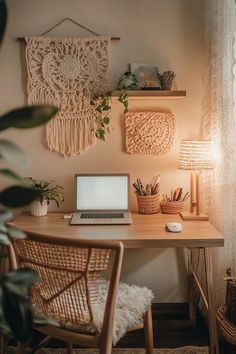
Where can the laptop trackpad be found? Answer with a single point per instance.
(102, 221)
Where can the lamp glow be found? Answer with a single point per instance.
(196, 156)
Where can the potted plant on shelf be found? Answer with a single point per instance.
(166, 79)
(47, 191)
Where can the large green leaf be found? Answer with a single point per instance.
(3, 228)
(27, 117)
(18, 314)
(16, 233)
(11, 174)
(5, 215)
(23, 277)
(3, 19)
(17, 196)
(12, 153)
(44, 320)
(4, 240)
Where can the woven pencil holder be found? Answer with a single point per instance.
(148, 204)
(231, 301)
(172, 207)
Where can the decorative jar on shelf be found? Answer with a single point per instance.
(166, 79)
(166, 85)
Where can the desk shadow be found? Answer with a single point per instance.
(137, 257)
(139, 267)
(146, 255)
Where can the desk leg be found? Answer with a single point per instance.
(191, 302)
(211, 303)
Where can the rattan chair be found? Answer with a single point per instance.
(74, 291)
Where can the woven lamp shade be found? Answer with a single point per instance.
(195, 155)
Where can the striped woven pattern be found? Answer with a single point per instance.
(70, 280)
(183, 350)
(148, 204)
(225, 328)
(172, 207)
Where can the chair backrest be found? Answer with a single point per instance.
(71, 272)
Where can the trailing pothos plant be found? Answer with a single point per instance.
(16, 315)
(102, 110)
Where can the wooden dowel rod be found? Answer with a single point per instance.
(192, 175)
(112, 39)
(200, 290)
(195, 278)
(198, 197)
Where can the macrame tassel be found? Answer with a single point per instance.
(69, 137)
(39, 96)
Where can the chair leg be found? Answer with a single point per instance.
(105, 345)
(148, 330)
(20, 348)
(69, 348)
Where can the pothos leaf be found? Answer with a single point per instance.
(106, 120)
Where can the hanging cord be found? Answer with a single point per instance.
(70, 20)
(76, 23)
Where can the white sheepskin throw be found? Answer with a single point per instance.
(67, 72)
(149, 132)
(132, 302)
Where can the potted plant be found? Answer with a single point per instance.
(47, 191)
(166, 79)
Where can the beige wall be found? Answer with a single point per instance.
(168, 33)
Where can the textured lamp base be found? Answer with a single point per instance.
(187, 215)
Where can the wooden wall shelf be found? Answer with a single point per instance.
(159, 94)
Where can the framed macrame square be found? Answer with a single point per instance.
(149, 132)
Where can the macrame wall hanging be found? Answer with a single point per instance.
(149, 132)
(67, 72)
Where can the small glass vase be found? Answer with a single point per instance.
(38, 209)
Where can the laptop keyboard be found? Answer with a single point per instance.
(102, 215)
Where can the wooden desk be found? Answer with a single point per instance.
(146, 231)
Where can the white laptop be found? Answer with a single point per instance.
(102, 199)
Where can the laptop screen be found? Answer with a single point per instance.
(102, 192)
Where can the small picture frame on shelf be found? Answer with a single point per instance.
(147, 75)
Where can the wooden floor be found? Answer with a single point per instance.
(172, 329)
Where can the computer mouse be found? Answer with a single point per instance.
(174, 226)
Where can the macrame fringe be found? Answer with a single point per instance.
(66, 136)
(69, 137)
(38, 96)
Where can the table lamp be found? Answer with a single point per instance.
(196, 156)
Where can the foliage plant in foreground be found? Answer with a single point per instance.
(16, 315)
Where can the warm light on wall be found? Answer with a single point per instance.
(196, 156)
